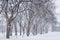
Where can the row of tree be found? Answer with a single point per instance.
(33, 16)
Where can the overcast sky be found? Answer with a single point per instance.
(57, 3)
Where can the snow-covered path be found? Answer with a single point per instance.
(49, 36)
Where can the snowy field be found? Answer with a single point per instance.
(48, 36)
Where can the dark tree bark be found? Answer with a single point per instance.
(8, 30)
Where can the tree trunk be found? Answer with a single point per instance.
(20, 28)
(33, 29)
(8, 30)
(28, 28)
(23, 30)
(11, 30)
(15, 30)
(36, 28)
(46, 29)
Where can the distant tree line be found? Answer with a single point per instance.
(33, 16)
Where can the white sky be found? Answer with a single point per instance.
(57, 2)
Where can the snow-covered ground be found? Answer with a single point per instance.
(48, 36)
